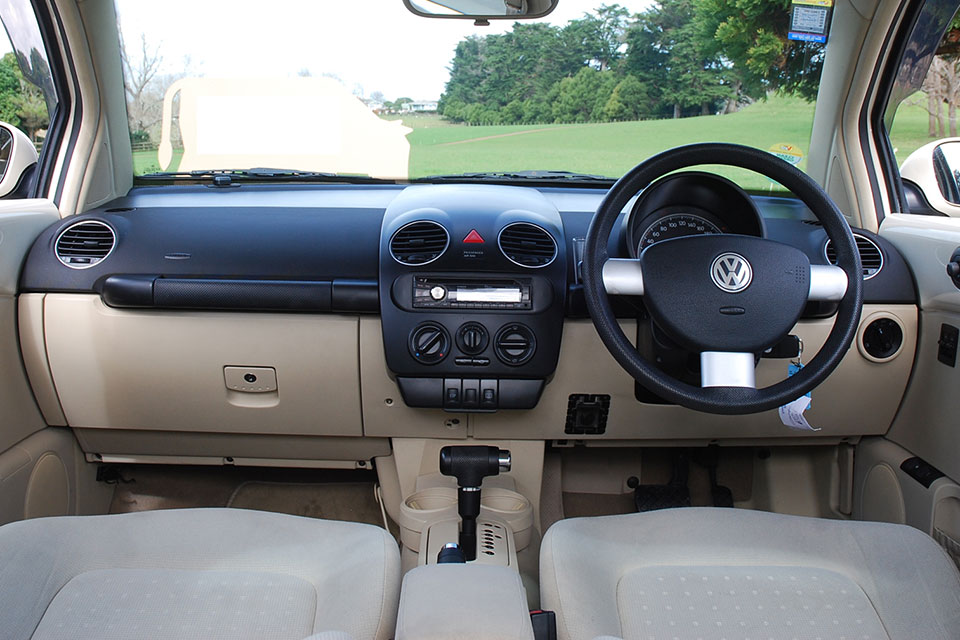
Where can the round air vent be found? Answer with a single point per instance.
(527, 245)
(515, 344)
(85, 244)
(870, 255)
(419, 243)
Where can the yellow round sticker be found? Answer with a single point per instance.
(787, 153)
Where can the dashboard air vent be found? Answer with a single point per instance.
(515, 344)
(870, 255)
(85, 244)
(419, 243)
(527, 245)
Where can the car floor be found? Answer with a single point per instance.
(584, 481)
(332, 495)
(577, 482)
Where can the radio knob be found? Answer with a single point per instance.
(438, 293)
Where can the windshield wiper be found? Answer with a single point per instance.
(526, 176)
(226, 177)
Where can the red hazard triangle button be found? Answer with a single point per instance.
(473, 238)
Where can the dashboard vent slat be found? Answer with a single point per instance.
(419, 243)
(870, 255)
(85, 244)
(527, 245)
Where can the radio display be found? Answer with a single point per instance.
(485, 294)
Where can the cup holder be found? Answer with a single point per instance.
(429, 500)
(423, 508)
(428, 506)
(513, 509)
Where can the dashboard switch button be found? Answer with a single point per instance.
(471, 394)
(451, 393)
(488, 394)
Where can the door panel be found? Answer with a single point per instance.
(21, 221)
(926, 424)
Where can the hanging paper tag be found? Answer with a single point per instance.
(791, 414)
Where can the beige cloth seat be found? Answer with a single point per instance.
(737, 574)
(196, 573)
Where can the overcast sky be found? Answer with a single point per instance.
(391, 51)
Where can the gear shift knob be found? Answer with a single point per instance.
(470, 465)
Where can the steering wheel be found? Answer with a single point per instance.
(726, 297)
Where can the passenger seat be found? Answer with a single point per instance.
(197, 574)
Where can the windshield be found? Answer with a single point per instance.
(591, 88)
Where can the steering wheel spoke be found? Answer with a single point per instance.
(827, 283)
(623, 277)
(727, 369)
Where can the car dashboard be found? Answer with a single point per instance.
(290, 321)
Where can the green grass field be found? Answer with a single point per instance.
(438, 146)
(146, 162)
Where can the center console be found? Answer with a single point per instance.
(467, 539)
(472, 294)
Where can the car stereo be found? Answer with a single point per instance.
(451, 293)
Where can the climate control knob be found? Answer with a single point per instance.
(429, 343)
(515, 344)
(472, 338)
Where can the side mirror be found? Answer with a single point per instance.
(17, 155)
(481, 10)
(935, 169)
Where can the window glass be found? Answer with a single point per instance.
(28, 98)
(924, 104)
(591, 88)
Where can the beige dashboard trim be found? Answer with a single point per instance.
(34, 349)
(229, 448)
(153, 370)
(163, 371)
(860, 397)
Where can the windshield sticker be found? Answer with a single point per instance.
(810, 20)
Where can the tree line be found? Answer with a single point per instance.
(22, 102)
(675, 59)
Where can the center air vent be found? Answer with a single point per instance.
(870, 255)
(85, 244)
(515, 344)
(527, 245)
(419, 243)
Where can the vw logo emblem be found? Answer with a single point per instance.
(731, 272)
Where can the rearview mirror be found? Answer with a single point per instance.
(17, 156)
(481, 10)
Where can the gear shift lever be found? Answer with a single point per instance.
(470, 465)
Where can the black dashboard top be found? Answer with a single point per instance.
(332, 233)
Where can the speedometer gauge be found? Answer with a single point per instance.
(675, 226)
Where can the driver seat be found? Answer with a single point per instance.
(729, 573)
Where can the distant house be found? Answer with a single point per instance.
(374, 105)
(420, 106)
